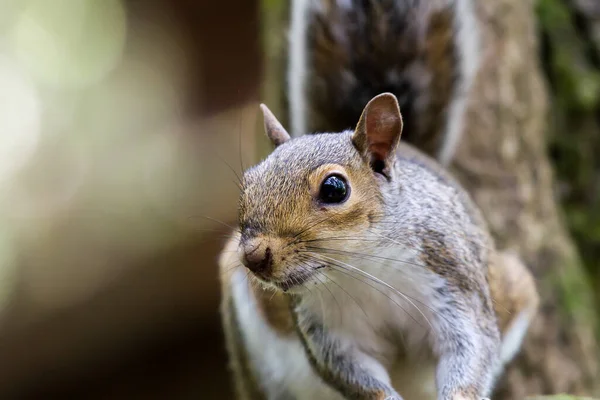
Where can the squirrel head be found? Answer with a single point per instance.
(315, 189)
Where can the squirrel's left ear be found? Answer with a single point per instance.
(378, 132)
(273, 128)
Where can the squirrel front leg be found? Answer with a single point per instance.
(468, 349)
(351, 372)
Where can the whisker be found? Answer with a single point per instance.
(365, 255)
(303, 260)
(406, 244)
(308, 228)
(220, 222)
(240, 141)
(349, 238)
(390, 220)
(235, 229)
(341, 288)
(239, 182)
(246, 277)
(321, 298)
(410, 297)
(365, 238)
(303, 284)
(232, 268)
(375, 279)
(351, 297)
(346, 271)
(273, 295)
(342, 270)
(459, 234)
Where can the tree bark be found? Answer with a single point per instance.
(502, 160)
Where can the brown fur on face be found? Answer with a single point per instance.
(282, 208)
(280, 203)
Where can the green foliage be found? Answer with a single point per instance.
(573, 72)
(575, 292)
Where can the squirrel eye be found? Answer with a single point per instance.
(334, 189)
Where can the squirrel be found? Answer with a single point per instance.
(361, 269)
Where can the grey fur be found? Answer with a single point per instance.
(429, 210)
(344, 52)
(336, 365)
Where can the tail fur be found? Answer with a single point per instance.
(344, 52)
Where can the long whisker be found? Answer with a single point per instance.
(459, 234)
(386, 238)
(334, 238)
(309, 258)
(221, 222)
(321, 297)
(304, 260)
(383, 283)
(209, 230)
(239, 182)
(365, 255)
(351, 297)
(410, 297)
(386, 219)
(346, 271)
(240, 142)
(273, 295)
(232, 268)
(294, 241)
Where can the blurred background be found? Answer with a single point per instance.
(121, 125)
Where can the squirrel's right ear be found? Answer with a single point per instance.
(273, 128)
(378, 132)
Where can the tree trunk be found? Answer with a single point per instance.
(502, 160)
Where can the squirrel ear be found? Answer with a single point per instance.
(275, 131)
(378, 131)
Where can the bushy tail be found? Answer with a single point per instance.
(344, 52)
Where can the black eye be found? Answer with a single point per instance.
(334, 189)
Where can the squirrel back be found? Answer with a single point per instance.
(342, 53)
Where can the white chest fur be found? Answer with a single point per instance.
(280, 362)
(382, 303)
(376, 296)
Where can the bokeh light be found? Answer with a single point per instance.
(70, 43)
(19, 118)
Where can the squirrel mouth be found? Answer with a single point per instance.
(292, 282)
(295, 280)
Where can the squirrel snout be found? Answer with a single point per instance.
(256, 255)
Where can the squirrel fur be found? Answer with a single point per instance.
(344, 52)
(391, 288)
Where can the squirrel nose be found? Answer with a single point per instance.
(257, 257)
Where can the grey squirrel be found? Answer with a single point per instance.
(361, 269)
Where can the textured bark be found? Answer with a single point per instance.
(502, 160)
